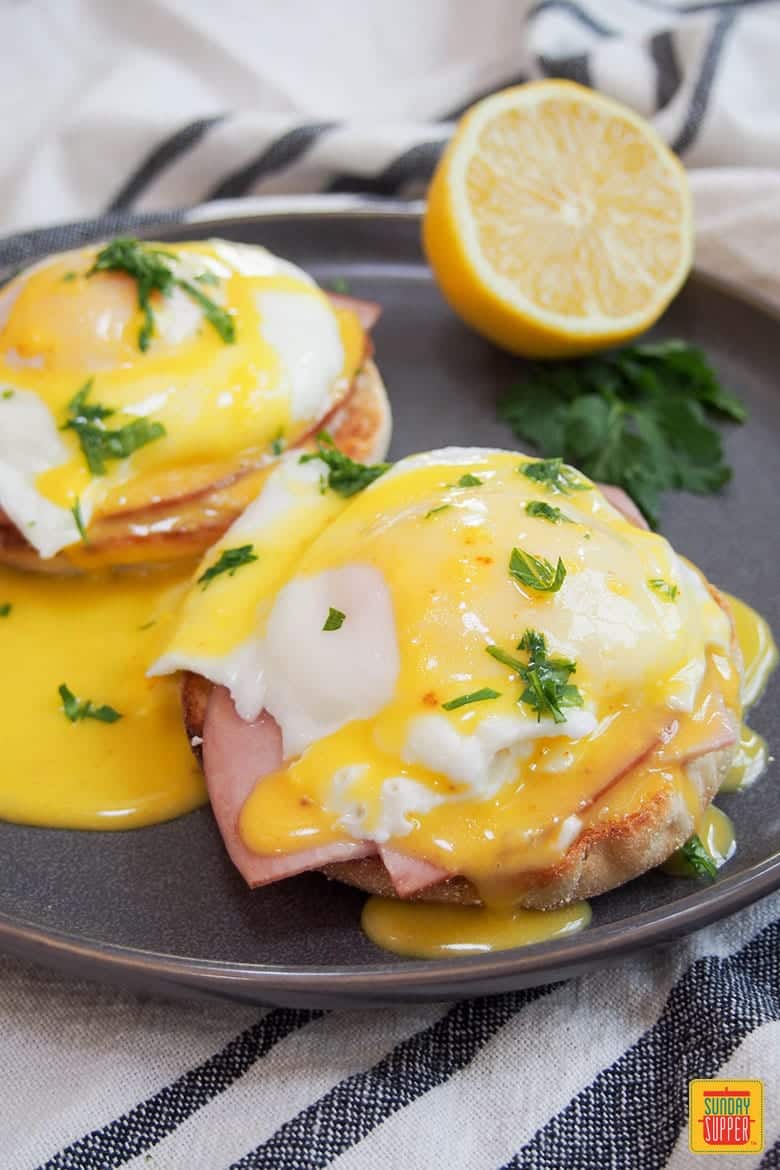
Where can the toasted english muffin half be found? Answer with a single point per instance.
(602, 858)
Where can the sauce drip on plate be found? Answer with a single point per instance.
(429, 931)
(96, 634)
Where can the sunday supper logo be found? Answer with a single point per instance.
(726, 1117)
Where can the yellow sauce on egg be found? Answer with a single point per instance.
(97, 635)
(222, 404)
(424, 930)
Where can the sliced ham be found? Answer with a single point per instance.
(367, 312)
(713, 729)
(410, 874)
(624, 504)
(236, 755)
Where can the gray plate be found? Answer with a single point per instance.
(162, 908)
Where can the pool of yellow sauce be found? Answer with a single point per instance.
(421, 930)
(97, 635)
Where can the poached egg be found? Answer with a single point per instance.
(111, 400)
(460, 658)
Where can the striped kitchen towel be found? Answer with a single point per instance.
(137, 110)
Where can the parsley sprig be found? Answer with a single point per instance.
(663, 588)
(151, 269)
(639, 417)
(78, 709)
(542, 511)
(100, 444)
(554, 474)
(229, 560)
(695, 856)
(334, 620)
(536, 572)
(345, 476)
(547, 687)
(479, 696)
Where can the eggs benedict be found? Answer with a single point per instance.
(468, 678)
(145, 388)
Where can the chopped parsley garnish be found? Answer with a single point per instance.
(469, 480)
(8, 394)
(98, 442)
(151, 269)
(68, 277)
(207, 277)
(547, 686)
(695, 856)
(554, 474)
(345, 476)
(340, 285)
(664, 588)
(76, 709)
(5, 609)
(230, 559)
(147, 625)
(79, 519)
(544, 511)
(536, 572)
(473, 697)
(639, 417)
(334, 620)
(278, 444)
(433, 511)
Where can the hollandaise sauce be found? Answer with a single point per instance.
(421, 930)
(95, 636)
(759, 654)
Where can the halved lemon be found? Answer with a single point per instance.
(557, 221)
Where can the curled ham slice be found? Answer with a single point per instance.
(236, 755)
(410, 874)
(367, 312)
(623, 504)
(717, 728)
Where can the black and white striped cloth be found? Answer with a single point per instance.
(145, 108)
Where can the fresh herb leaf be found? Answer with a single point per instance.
(68, 277)
(97, 442)
(547, 687)
(694, 854)
(664, 588)
(8, 394)
(220, 318)
(230, 559)
(207, 277)
(5, 609)
(536, 572)
(345, 476)
(433, 511)
(278, 444)
(544, 511)
(469, 480)
(76, 709)
(334, 620)
(474, 697)
(638, 417)
(340, 285)
(554, 474)
(79, 519)
(151, 269)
